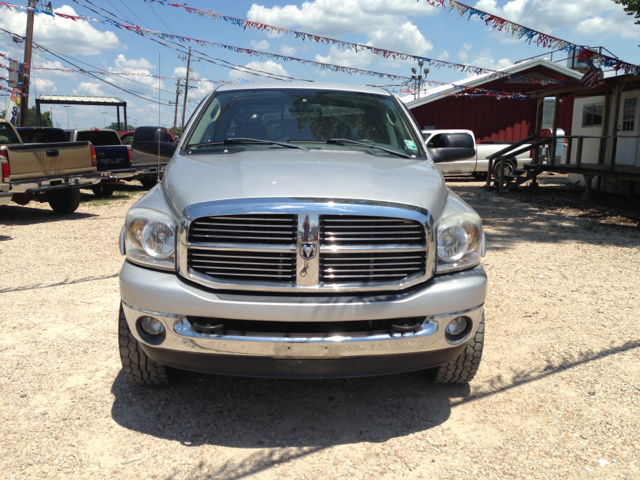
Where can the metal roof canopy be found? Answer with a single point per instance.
(80, 100)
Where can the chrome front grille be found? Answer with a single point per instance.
(370, 267)
(360, 230)
(244, 266)
(388, 248)
(266, 229)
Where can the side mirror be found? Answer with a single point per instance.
(450, 147)
(153, 141)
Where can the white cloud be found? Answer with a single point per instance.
(269, 66)
(44, 86)
(346, 58)
(73, 38)
(603, 26)
(51, 73)
(485, 60)
(463, 54)
(604, 16)
(88, 88)
(141, 67)
(201, 88)
(444, 55)
(287, 50)
(261, 45)
(132, 65)
(407, 38)
(340, 17)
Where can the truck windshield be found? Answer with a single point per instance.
(316, 118)
(99, 138)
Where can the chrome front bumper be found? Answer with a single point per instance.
(181, 338)
(172, 300)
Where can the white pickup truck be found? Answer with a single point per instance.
(476, 165)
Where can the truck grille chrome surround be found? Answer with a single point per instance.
(306, 245)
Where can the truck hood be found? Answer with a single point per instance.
(289, 173)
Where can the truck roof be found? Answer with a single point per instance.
(303, 85)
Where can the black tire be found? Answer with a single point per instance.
(137, 367)
(509, 168)
(149, 182)
(465, 367)
(65, 201)
(103, 190)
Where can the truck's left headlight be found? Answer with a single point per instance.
(150, 238)
(459, 242)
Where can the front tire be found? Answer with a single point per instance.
(65, 201)
(138, 368)
(465, 367)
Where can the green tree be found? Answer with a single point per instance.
(632, 7)
(32, 118)
(114, 126)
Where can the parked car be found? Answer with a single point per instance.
(477, 164)
(44, 172)
(114, 159)
(149, 165)
(301, 230)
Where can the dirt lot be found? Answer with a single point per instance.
(557, 394)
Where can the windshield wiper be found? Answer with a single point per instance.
(241, 140)
(346, 141)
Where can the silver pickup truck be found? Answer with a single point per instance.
(302, 231)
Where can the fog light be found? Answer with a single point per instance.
(151, 326)
(457, 326)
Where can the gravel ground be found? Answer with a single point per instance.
(556, 396)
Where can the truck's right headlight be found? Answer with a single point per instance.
(459, 242)
(150, 238)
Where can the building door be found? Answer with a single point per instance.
(628, 128)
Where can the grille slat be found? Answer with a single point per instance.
(270, 229)
(369, 267)
(346, 230)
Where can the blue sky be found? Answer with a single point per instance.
(401, 25)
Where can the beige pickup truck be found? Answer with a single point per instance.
(44, 172)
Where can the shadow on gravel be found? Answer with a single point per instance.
(18, 215)
(57, 284)
(552, 215)
(286, 420)
(259, 413)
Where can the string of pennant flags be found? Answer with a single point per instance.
(356, 47)
(7, 57)
(326, 40)
(544, 40)
(462, 88)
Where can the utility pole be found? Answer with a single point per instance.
(175, 117)
(24, 100)
(186, 85)
(186, 91)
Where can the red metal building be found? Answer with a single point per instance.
(491, 119)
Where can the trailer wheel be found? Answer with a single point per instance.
(103, 190)
(149, 182)
(509, 168)
(65, 201)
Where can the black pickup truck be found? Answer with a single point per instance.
(114, 159)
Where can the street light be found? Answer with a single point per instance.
(67, 106)
(104, 119)
(417, 78)
(135, 121)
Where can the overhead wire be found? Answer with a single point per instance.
(37, 46)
